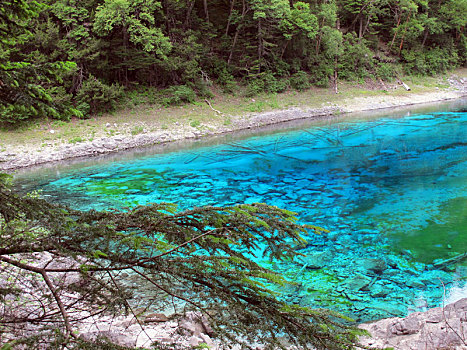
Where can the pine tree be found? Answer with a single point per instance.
(203, 257)
(26, 87)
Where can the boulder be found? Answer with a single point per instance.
(316, 260)
(409, 325)
(377, 266)
(438, 328)
(358, 282)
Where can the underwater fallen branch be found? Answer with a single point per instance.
(447, 262)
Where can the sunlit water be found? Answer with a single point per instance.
(392, 191)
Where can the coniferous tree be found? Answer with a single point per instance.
(59, 266)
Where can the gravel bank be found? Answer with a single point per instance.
(23, 156)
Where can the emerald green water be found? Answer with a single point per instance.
(392, 190)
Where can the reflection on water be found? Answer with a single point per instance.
(392, 192)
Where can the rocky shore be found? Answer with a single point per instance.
(14, 157)
(439, 328)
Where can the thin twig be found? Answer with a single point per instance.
(444, 315)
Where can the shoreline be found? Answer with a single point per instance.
(16, 157)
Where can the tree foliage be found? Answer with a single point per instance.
(165, 43)
(28, 87)
(60, 266)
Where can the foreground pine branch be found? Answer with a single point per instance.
(61, 266)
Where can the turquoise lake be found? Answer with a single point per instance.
(391, 189)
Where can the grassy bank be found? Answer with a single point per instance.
(135, 116)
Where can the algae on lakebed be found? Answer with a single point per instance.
(444, 237)
(129, 181)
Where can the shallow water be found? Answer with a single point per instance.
(391, 190)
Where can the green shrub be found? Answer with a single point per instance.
(300, 81)
(221, 72)
(137, 130)
(321, 73)
(385, 71)
(195, 123)
(265, 82)
(95, 96)
(430, 61)
(273, 84)
(226, 80)
(176, 95)
(356, 60)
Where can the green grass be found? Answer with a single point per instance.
(195, 123)
(76, 139)
(128, 120)
(137, 130)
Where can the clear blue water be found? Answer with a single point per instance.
(391, 190)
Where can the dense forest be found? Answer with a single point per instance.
(64, 58)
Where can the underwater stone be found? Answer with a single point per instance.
(374, 265)
(316, 260)
(288, 180)
(260, 189)
(378, 291)
(132, 191)
(358, 282)
(254, 200)
(392, 272)
(302, 184)
(413, 283)
(434, 277)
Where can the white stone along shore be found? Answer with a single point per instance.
(24, 156)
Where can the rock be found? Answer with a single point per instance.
(409, 325)
(373, 265)
(151, 318)
(195, 341)
(260, 189)
(196, 324)
(358, 282)
(378, 291)
(392, 272)
(316, 260)
(413, 283)
(109, 145)
(114, 337)
(430, 330)
(302, 184)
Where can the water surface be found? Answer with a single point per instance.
(391, 189)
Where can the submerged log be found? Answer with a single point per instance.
(442, 264)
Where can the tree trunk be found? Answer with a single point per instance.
(206, 12)
(232, 4)
(336, 63)
(190, 5)
(395, 33)
(424, 38)
(367, 24)
(237, 32)
(260, 45)
(284, 48)
(405, 31)
(360, 30)
(125, 57)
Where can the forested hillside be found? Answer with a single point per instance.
(77, 57)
